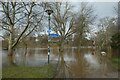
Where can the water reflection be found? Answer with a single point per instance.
(79, 63)
(91, 60)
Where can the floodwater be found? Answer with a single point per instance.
(80, 64)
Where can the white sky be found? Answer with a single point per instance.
(105, 9)
(64, 0)
(102, 9)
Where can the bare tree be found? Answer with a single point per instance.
(19, 20)
(63, 21)
(107, 27)
(85, 18)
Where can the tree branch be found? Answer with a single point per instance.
(71, 25)
(6, 29)
(2, 36)
(28, 23)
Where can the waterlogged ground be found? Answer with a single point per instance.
(28, 72)
(93, 68)
(85, 63)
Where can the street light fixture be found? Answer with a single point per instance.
(49, 12)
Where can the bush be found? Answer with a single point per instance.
(115, 41)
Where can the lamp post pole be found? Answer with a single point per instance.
(49, 30)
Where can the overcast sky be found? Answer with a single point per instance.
(102, 9)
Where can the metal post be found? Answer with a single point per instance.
(48, 53)
(49, 23)
(49, 40)
(49, 30)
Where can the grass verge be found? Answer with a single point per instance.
(116, 62)
(46, 71)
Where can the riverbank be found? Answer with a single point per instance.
(46, 71)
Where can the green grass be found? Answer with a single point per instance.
(45, 71)
(0, 73)
(116, 62)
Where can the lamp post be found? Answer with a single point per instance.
(49, 12)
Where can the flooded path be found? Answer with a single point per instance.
(87, 66)
(94, 68)
(81, 64)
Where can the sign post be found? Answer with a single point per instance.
(49, 12)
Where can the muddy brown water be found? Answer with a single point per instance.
(83, 64)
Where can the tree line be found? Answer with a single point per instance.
(19, 21)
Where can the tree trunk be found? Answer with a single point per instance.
(10, 59)
(61, 47)
(10, 48)
(109, 51)
(10, 51)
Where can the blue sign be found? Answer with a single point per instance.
(53, 35)
(49, 30)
